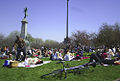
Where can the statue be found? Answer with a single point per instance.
(25, 10)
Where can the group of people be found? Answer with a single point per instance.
(19, 44)
(101, 56)
(4, 51)
(106, 56)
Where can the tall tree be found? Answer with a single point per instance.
(80, 38)
(1, 39)
(10, 39)
(37, 43)
(51, 44)
(109, 35)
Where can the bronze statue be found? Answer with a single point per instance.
(25, 10)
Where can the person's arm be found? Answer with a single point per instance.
(15, 43)
(23, 43)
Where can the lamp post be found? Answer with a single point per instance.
(67, 22)
(66, 40)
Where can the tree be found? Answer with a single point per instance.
(10, 39)
(80, 38)
(116, 33)
(51, 44)
(37, 43)
(13, 34)
(109, 35)
(1, 39)
(30, 38)
(93, 39)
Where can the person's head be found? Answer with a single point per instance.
(98, 52)
(18, 37)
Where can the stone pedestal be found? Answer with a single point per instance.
(23, 34)
(24, 29)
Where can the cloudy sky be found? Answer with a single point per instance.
(47, 18)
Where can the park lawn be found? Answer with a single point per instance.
(100, 73)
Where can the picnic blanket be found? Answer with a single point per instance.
(84, 58)
(22, 64)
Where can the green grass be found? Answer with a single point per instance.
(100, 73)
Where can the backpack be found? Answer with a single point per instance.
(6, 63)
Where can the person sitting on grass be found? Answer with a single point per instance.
(56, 56)
(68, 56)
(117, 54)
(77, 57)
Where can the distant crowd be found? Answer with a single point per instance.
(57, 54)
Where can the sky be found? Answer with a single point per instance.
(47, 18)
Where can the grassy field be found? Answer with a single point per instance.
(100, 73)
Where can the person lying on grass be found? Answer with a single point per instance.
(98, 57)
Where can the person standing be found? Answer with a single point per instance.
(21, 47)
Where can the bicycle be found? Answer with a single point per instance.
(64, 69)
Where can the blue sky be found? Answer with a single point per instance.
(47, 18)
